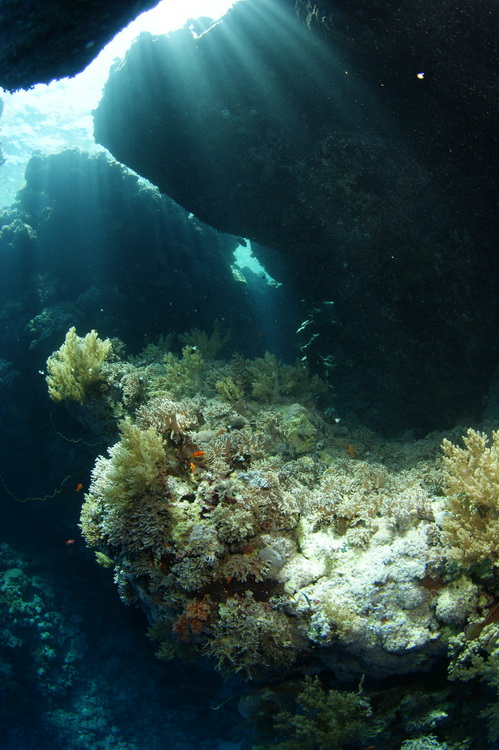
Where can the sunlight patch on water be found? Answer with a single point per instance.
(51, 117)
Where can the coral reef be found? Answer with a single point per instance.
(260, 537)
(428, 742)
(270, 542)
(271, 380)
(61, 682)
(37, 646)
(182, 376)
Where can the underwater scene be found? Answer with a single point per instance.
(249, 375)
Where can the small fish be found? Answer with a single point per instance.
(351, 450)
(198, 454)
(192, 467)
(306, 599)
(69, 542)
(79, 487)
(474, 629)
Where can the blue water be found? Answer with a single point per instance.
(85, 242)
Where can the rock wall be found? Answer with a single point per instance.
(54, 39)
(346, 149)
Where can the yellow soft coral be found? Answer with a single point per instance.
(73, 368)
(131, 468)
(471, 481)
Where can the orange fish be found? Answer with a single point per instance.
(192, 467)
(69, 542)
(351, 450)
(198, 454)
(79, 487)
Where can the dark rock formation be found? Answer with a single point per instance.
(329, 148)
(308, 129)
(88, 244)
(236, 124)
(54, 39)
(455, 45)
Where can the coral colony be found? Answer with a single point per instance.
(259, 536)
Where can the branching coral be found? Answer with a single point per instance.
(471, 482)
(126, 385)
(76, 366)
(153, 353)
(168, 417)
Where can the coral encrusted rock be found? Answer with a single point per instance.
(259, 554)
